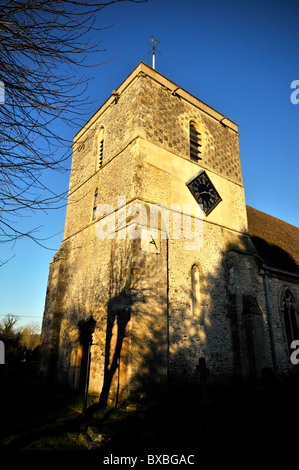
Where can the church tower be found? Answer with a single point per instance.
(155, 232)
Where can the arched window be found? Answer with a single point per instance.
(195, 142)
(95, 204)
(100, 149)
(195, 290)
(290, 317)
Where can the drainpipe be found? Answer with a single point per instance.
(269, 315)
(167, 312)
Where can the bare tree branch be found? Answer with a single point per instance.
(43, 45)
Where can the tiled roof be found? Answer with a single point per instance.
(276, 241)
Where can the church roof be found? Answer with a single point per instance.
(276, 241)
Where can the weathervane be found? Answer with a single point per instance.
(153, 46)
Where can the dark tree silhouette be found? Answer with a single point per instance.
(11, 338)
(43, 44)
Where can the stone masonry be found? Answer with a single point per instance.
(153, 322)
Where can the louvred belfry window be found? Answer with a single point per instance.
(195, 142)
(100, 148)
(100, 156)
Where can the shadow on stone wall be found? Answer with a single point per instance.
(54, 313)
(153, 343)
(118, 315)
(274, 255)
(152, 346)
(135, 343)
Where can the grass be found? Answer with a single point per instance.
(40, 416)
(67, 441)
(37, 415)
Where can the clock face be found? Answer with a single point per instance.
(204, 191)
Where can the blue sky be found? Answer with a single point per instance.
(239, 57)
